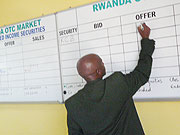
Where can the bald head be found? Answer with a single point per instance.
(91, 67)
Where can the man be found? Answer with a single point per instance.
(106, 107)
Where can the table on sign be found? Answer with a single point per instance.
(117, 41)
(29, 66)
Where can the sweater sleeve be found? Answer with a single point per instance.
(73, 127)
(140, 75)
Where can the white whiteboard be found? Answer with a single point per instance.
(38, 57)
(29, 62)
(109, 29)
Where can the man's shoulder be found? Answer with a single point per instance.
(116, 76)
(73, 100)
(116, 83)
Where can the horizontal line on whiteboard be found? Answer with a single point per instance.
(21, 45)
(29, 65)
(86, 49)
(125, 73)
(41, 41)
(121, 34)
(128, 70)
(105, 63)
(172, 46)
(119, 24)
(165, 57)
(79, 75)
(29, 86)
(26, 73)
(43, 84)
(120, 29)
(116, 36)
(120, 44)
(115, 53)
(128, 53)
(166, 37)
(75, 83)
(112, 36)
(166, 67)
(32, 79)
(112, 18)
(165, 76)
(70, 75)
(31, 58)
(122, 61)
(23, 52)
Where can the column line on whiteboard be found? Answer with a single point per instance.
(7, 71)
(122, 42)
(109, 50)
(78, 32)
(174, 15)
(138, 45)
(58, 49)
(78, 35)
(23, 62)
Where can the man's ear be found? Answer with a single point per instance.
(99, 72)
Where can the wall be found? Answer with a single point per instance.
(158, 118)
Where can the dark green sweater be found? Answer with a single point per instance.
(106, 107)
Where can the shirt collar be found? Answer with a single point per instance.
(93, 82)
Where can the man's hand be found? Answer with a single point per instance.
(145, 31)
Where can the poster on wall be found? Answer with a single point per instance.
(29, 61)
